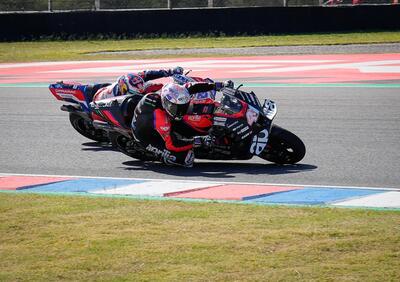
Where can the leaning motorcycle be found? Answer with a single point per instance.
(78, 96)
(243, 128)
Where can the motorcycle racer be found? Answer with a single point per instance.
(135, 83)
(154, 118)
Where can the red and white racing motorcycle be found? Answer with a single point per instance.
(78, 96)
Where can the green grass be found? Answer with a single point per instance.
(48, 238)
(80, 50)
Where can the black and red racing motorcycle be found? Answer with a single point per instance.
(238, 118)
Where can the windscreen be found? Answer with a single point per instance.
(229, 105)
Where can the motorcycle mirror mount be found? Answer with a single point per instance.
(188, 72)
(237, 88)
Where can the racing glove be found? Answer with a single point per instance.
(227, 84)
(176, 70)
(203, 141)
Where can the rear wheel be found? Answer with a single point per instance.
(283, 147)
(85, 127)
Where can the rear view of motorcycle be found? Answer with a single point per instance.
(78, 97)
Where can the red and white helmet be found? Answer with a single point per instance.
(175, 99)
(130, 83)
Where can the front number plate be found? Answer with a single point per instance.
(270, 109)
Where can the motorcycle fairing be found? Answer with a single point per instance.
(118, 111)
(247, 97)
(112, 117)
(199, 115)
(73, 93)
(269, 109)
(200, 123)
(231, 107)
(259, 142)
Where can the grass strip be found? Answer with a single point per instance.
(84, 49)
(46, 237)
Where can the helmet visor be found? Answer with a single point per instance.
(177, 111)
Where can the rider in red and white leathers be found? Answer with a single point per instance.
(135, 83)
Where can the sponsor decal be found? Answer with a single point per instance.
(244, 130)
(65, 91)
(205, 109)
(259, 142)
(232, 124)
(246, 135)
(194, 117)
(222, 119)
(189, 158)
(217, 123)
(74, 98)
(165, 154)
(269, 109)
(252, 115)
(164, 128)
(237, 127)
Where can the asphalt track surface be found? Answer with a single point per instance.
(351, 134)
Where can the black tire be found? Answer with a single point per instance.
(120, 142)
(283, 147)
(86, 128)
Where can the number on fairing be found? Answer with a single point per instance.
(259, 142)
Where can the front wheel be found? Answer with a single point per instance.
(85, 127)
(283, 147)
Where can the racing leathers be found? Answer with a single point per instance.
(113, 90)
(154, 128)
